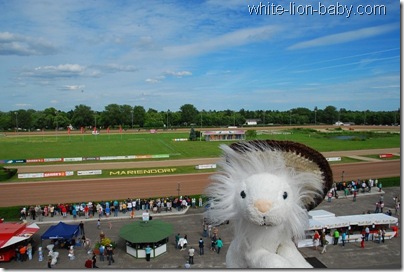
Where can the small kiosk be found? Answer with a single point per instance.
(139, 234)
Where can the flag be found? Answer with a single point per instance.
(107, 129)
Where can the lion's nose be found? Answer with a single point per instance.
(263, 205)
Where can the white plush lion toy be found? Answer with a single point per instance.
(265, 188)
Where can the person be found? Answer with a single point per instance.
(363, 241)
(213, 244)
(23, 253)
(324, 242)
(177, 239)
(94, 259)
(148, 252)
(354, 196)
(29, 251)
(98, 224)
(191, 252)
(219, 245)
(50, 262)
(201, 246)
(367, 232)
(343, 238)
(110, 254)
(336, 237)
(383, 234)
(379, 233)
(329, 195)
(81, 228)
(182, 242)
(316, 240)
(187, 265)
(102, 252)
(389, 212)
(205, 228)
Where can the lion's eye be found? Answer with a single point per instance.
(285, 195)
(243, 195)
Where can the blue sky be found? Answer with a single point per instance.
(213, 54)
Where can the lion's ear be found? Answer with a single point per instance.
(297, 156)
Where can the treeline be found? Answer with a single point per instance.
(127, 117)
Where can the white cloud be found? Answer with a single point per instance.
(14, 44)
(179, 74)
(344, 37)
(73, 87)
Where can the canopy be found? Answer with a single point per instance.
(61, 231)
(332, 222)
(146, 232)
(12, 233)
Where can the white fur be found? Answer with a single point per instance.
(266, 223)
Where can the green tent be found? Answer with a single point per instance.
(146, 232)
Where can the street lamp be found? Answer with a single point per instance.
(16, 122)
(132, 117)
(168, 111)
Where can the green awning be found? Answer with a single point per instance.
(142, 232)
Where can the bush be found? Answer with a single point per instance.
(6, 173)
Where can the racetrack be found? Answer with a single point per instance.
(46, 192)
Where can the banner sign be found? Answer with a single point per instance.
(91, 158)
(205, 166)
(15, 161)
(46, 174)
(53, 159)
(142, 172)
(89, 172)
(35, 160)
(73, 159)
(334, 159)
(110, 158)
(383, 156)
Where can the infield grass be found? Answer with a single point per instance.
(62, 145)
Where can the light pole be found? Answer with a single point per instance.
(200, 133)
(315, 116)
(168, 111)
(290, 118)
(16, 122)
(132, 117)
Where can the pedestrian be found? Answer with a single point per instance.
(81, 228)
(316, 240)
(148, 253)
(94, 259)
(98, 224)
(29, 251)
(336, 237)
(102, 252)
(187, 265)
(383, 234)
(201, 246)
(191, 252)
(177, 239)
(205, 228)
(363, 241)
(354, 196)
(379, 233)
(110, 254)
(325, 243)
(343, 238)
(377, 209)
(381, 206)
(213, 244)
(329, 195)
(367, 232)
(219, 245)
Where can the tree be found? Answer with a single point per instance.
(330, 115)
(188, 114)
(82, 116)
(139, 115)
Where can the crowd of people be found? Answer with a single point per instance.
(109, 208)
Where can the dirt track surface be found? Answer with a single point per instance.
(29, 193)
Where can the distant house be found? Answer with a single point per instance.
(252, 122)
(224, 135)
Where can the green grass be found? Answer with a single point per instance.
(30, 147)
